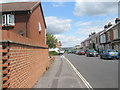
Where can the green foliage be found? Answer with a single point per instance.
(51, 40)
(52, 53)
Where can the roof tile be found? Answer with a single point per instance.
(18, 6)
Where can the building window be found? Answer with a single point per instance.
(108, 36)
(8, 20)
(115, 33)
(3, 20)
(103, 38)
(39, 26)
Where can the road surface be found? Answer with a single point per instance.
(99, 73)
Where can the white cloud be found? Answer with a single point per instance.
(69, 41)
(4, 1)
(58, 0)
(94, 26)
(84, 32)
(83, 23)
(97, 0)
(95, 8)
(80, 0)
(56, 25)
(58, 4)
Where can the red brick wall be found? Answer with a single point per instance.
(8, 35)
(36, 17)
(23, 62)
(111, 35)
(20, 23)
(23, 65)
(32, 25)
(23, 59)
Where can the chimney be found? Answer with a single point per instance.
(89, 35)
(117, 20)
(93, 33)
(105, 27)
(109, 24)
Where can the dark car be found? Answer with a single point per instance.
(92, 53)
(74, 52)
(69, 51)
(109, 54)
(81, 52)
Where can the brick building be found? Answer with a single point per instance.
(92, 42)
(23, 44)
(108, 38)
(113, 36)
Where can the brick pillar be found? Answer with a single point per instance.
(5, 65)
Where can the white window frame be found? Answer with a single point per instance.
(10, 16)
(103, 38)
(108, 35)
(39, 26)
(115, 34)
(4, 20)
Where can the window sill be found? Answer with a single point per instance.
(4, 27)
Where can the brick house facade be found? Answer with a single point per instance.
(112, 37)
(24, 50)
(109, 38)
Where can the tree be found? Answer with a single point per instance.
(51, 40)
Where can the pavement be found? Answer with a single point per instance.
(60, 75)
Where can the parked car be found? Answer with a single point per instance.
(109, 54)
(119, 53)
(74, 52)
(69, 51)
(77, 52)
(91, 53)
(81, 52)
(61, 52)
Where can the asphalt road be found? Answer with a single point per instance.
(99, 73)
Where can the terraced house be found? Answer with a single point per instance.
(23, 44)
(113, 36)
(108, 38)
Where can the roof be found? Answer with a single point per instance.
(19, 6)
(22, 6)
(112, 26)
(93, 36)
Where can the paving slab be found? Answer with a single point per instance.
(59, 75)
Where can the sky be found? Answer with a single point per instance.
(71, 21)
